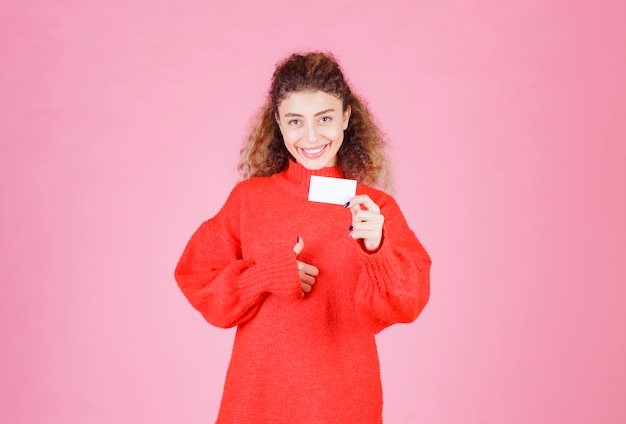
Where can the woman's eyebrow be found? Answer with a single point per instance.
(324, 112)
(293, 114)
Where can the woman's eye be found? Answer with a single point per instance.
(294, 122)
(326, 119)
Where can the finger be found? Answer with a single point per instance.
(363, 200)
(297, 249)
(367, 216)
(306, 288)
(366, 225)
(307, 272)
(373, 235)
(371, 239)
(307, 268)
(307, 279)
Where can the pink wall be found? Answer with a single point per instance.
(120, 125)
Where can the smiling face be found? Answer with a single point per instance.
(312, 124)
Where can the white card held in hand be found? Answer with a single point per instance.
(331, 190)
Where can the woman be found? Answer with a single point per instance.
(308, 284)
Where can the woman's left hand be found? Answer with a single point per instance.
(367, 221)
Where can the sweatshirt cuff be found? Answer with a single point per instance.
(279, 277)
(382, 267)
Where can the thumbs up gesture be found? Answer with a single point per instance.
(307, 272)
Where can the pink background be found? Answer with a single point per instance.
(120, 126)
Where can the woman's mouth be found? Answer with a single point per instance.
(313, 152)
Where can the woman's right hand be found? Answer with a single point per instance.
(307, 272)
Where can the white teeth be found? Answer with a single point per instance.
(313, 151)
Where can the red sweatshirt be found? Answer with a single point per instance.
(301, 358)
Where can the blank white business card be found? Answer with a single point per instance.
(331, 190)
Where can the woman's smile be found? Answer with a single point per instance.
(314, 152)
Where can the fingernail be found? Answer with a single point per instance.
(351, 228)
(345, 205)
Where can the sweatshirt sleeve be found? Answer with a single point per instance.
(394, 284)
(225, 288)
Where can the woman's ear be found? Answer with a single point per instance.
(346, 117)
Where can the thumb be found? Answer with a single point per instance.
(299, 246)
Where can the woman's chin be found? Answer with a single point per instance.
(314, 165)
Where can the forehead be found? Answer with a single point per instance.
(309, 101)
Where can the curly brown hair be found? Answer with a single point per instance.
(362, 154)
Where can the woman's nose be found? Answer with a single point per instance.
(311, 133)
